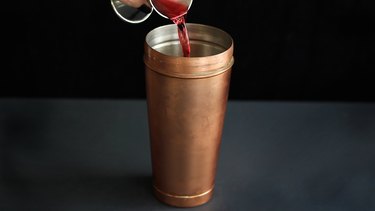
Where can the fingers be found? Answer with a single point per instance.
(136, 3)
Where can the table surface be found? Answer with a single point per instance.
(66, 154)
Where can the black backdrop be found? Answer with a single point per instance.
(284, 50)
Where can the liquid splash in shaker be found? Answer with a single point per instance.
(176, 12)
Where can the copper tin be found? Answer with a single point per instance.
(186, 98)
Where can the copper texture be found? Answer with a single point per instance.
(186, 98)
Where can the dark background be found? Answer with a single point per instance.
(284, 50)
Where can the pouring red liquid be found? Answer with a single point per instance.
(176, 12)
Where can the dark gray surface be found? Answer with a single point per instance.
(94, 155)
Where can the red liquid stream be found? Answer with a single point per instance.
(183, 35)
(176, 12)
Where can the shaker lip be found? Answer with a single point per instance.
(207, 64)
(210, 34)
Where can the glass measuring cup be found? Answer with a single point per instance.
(137, 11)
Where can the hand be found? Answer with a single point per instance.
(136, 3)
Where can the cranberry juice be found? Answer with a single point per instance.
(177, 13)
(183, 35)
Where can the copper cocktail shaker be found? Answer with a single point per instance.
(186, 98)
